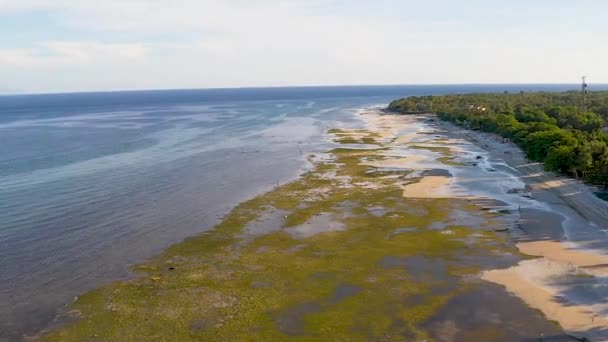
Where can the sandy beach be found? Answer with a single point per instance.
(567, 279)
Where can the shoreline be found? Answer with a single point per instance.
(60, 315)
(55, 312)
(158, 207)
(570, 252)
(355, 248)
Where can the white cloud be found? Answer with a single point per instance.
(64, 53)
(166, 15)
(86, 50)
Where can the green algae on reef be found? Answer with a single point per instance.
(359, 136)
(230, 285)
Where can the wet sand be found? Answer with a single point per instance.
(531, 280)
(560, 222)
(568, 279)
(537, 237)
(562, 253)
(429, 187)
(460, 318)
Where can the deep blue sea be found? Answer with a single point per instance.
(91, 183)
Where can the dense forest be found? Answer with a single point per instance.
(565, 131)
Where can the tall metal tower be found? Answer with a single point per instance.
(585, 92)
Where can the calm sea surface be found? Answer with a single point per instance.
(91, 183)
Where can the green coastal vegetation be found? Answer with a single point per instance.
(376, 269)
(565, 131)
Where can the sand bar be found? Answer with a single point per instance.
(564, 253)
(429, 187)
(530, 281)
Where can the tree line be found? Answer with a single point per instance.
(563, 130)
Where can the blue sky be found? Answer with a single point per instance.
(82, 45)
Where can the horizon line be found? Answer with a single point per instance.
(133, 90)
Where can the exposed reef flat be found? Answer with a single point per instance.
(346, 252)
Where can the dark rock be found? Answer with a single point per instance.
(515, 191)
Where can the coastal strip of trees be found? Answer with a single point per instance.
(565, 131)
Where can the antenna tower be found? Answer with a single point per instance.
(585, 92)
